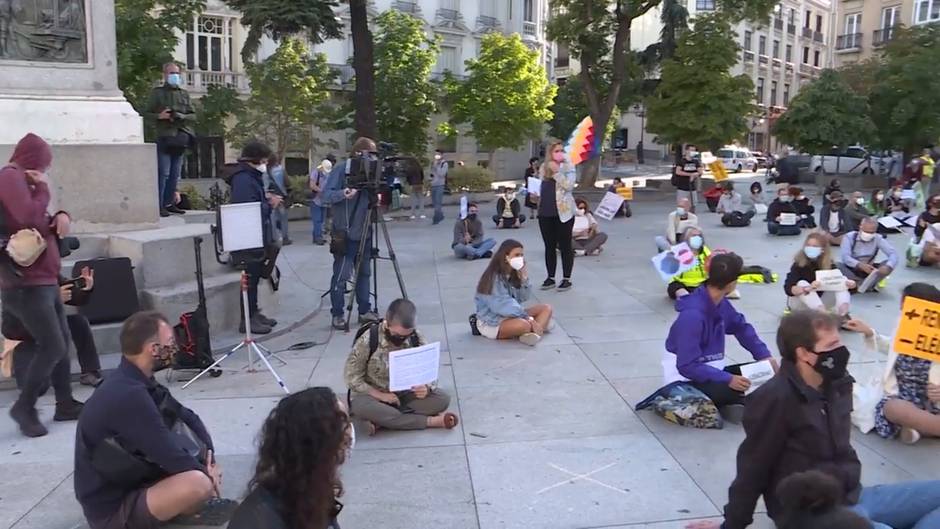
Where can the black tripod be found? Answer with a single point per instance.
(370, 236)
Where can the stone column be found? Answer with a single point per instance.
(58, 79)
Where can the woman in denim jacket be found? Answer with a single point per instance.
(502, 290)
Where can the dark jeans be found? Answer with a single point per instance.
(42, 314)
(557, 235)
(254, 270)
(503, 222)
(737, 219)
(775, 228)
(722, 394)
(673, 288)
(343, 267)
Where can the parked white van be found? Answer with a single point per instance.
(737, 159)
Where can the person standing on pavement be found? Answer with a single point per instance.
(317, 209)
(414, 175)
(349, 207)
(687, 172)
(439, 169)
(171, 112)
(532, 171)
(32, 296)
(556, 215)
(279, 184)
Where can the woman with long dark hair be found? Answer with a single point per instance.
(503, 288)
(556, 214)
(303, 442)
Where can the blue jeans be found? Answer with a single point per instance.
(908, 505)
(318, 216)
(474, 251)
(437, 199)
(279, 224)
(343, 266)
(169, 168)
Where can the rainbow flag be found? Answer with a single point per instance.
(583, 144)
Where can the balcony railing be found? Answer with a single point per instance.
(791, 29)
(763, 59)
(562, 62)
(808, 33)
(407, 7)
(789, 66)
(448, 14)
(852, 41)
(818, 36)
(882, 36)
(530, 30)
(777, 63)
(806, 69)
(199, 81)
(344, 72)
(749, 56)
(778, 24)
(487, 22)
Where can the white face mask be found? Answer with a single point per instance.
(579, 212)
(517, 263)
(263, 168)
(864, 236)
(437, 156)
(860, 201)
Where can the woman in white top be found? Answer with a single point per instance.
(588, 240)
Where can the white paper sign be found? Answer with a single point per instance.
(788, 219)
(830, 280)
(609, 206)
(534, 185)
(890, 222)
(908, 194)
(760, 209)
(674, 261)
(412, 367)
(581, 223)
(758, 373)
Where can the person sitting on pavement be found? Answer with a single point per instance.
(508, 211)
(876, 204)
(910, 407)
(929, 217)
(615, 184)
(588, 240)
(813, 500)
(804, 209)
(677, 222)
(367, 377)
(800, 420)
(832, 219)
(855, 211)
(303, 443)
(833, 186)
(130, 422)
(898, 207)
(757, 196)
(801, 286)
(468, 241)
(731, 209)
(782, 205)
(79, 329)
(501, 291)
(859, 255)
(695, 346)
(683, 284)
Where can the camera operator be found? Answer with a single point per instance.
(349, 207)
(73, 292)
(32, 296)
(247, 182)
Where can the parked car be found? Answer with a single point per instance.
(762, 159)
(851, 160)
(737, 159)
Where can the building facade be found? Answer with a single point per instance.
(864, 26)
(211, 52)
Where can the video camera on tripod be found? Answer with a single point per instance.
(366, 171)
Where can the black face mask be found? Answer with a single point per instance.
(472, 216)
(396, 340)
(832, 364)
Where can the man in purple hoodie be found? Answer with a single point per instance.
(695, 347)
(32, 296)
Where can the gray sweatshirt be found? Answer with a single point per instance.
(438, 173)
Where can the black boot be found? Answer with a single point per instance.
(257, 326)
(67, 411)
(28, 420)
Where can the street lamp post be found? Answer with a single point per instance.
(640, 111)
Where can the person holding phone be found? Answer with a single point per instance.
(171, 113)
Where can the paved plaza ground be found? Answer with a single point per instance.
(548, 436)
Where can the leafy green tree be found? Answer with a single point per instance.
(824, 114)
(506, 98)
(405, 97)
(146, 38)
(284, 18)
(214, 109)
(289, 95)
(860, 76)
(904, 95)
(570, 108)
(698, 100)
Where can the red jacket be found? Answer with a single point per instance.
(25, 205)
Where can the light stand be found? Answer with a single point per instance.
(249, 344)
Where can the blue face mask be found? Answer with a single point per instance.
(696, 242)
(174, 79)
(813, 252)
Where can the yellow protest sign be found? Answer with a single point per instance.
(919, 332)
(718, 170)
(626, 192)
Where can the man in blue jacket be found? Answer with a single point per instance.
(349, 207)
(247, 184)
(696, 342)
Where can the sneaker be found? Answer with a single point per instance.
(339, 323)
(287, 242)
(67, 411)
(733, 413)
(487, 255)
(414, 217)
(909, 436)
(474, 330)
(368, 317)
(579, 253)
(174, 210)
(257, 326)
(270, 322)
(319, 242)
(28, 420)
(530, 339)
(92, 378)
(216, 512)
(734, 294)
(425, 216)
(548, 284)
(164, 213)
(564, 285)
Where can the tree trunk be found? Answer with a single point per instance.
(492, 161)
(363, 64)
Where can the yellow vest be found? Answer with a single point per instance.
(696, 275)
(928, 166)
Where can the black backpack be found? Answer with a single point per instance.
(372, 328)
